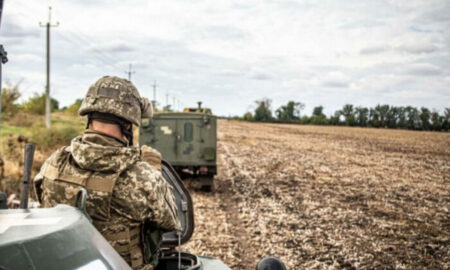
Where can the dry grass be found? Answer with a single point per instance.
(327, 198)
(24, 128)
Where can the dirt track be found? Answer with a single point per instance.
(327, 198)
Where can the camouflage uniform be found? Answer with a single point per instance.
(123, 191)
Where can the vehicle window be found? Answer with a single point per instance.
(188, 132)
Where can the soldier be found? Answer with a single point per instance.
(125, 194)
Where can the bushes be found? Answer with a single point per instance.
(10, 95)
(73, 109)
(248, 116)
(22, 119)
(36, 104)
(49, 139)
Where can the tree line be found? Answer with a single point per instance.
(380, 116)
(34, 105)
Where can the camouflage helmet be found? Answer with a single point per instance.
(117, 96)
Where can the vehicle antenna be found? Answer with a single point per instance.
(179, 249)
(167, 98)
(28, 163)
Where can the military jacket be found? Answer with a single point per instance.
(123, 191)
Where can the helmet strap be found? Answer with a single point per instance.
(128, 133)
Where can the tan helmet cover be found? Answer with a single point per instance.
(117, 96)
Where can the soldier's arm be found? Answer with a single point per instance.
(152, 156)
(166, 213)
(143, 194)
(38, 179)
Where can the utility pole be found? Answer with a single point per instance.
(129, 72)
(47, 87)
(174, 106)
(167, 99)
(3, 60)
(154, 95)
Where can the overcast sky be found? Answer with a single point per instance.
(230, 53)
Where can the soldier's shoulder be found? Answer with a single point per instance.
(141, 178)
(142, 171)
(58, 155)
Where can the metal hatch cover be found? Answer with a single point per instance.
(184, 206)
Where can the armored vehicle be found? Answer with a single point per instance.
(187, 140)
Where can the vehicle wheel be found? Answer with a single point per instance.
(270, 263)
(206, 183)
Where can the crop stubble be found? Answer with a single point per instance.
(327, 198)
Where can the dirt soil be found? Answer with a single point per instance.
(327, 198)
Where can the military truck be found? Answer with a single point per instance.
(187, 140)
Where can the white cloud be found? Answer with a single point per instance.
(416, 48)
(423, 69)
(374, 49)
(335, 79)
(229, 53)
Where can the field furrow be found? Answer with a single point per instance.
(327, 198)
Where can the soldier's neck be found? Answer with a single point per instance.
(104, 139)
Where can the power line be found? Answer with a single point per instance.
(84, 40)
(93, 54)
(48, 25)
(80, 39)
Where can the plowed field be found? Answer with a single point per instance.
(327, 198)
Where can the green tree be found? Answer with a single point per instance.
(248, 116)
(349, 115)
(336, 118)
(413, 116)
(318, 111)
(318, 117)
(425, 116)
(73, 109)
(10, 95)
(446, 120)
(263, 111)
(392, 116)
(402, 119)
(374, 116)
(290, 111)
(382, 113)
(362, 116)
(436, 121)
(36, 104)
